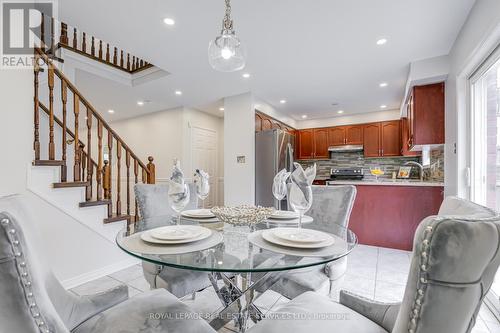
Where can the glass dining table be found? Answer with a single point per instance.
(246, 267)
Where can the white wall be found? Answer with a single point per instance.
(239, 140)
(360, 118)
(477, 39)
(77, 250)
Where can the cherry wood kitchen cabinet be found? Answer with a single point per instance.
(306, 144)
(336, 136)
(320, 143)
(371, 141)
(263, 122)
(405, 136)
(354, 135)
(388, 216)
(426, 116)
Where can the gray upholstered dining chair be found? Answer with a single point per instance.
(32, 300)
(153, 202)
(331, 208)
(455, 257)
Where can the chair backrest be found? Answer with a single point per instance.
(31, 298)
(455, 258)
(153, 200)
(331, 207)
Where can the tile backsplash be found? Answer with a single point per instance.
(388, 164)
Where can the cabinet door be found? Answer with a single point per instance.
(390, 137)
(321, 143)
(371, 140)
(266, 124)
(405, 139)
(306, 148)
(354, 135)
(411, 123)
(258, 123)
(428, 114)
(336, 136)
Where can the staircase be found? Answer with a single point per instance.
(73, 145)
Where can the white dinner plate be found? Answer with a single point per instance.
(269, 236)
(147, 237)
(284, 215)
(198, 213)
(305, 219)
(301, 235)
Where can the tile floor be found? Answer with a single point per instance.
(376, 273)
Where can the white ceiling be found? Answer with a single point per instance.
(311, 53)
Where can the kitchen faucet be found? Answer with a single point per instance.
(420, 166)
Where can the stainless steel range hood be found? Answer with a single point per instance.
(345, 149)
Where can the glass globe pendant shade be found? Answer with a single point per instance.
(226, 53)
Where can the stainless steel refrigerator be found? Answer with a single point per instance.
(273, 152)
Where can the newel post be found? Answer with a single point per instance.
(152, 171)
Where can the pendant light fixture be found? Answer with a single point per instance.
(226, 53)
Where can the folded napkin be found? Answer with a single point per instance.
(177, 187)
(279, 184)
(303, 177)
(202, 185)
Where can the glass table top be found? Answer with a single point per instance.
(235, 253)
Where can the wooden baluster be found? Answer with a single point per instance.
(63, 39)
(83, 160)
(107, 52)
(99, 160)
(36, 115)
(52, 36)
(128, 61)
(52, 147)
(106, 182)
(64, 98)
(84, 42)
(137, 63)
(121, 59)
(136, 180)
(127, 161)
(90, 166)
(115, 56)
(152, 171)
(100, 49)
(118, 177)
(42, 32)
(141, 63)
(110, 179)
(75, 39)
(144, 176)
(92, 47)
(76, 166)
(133, 63)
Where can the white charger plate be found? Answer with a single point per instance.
(176, 232)
(284, 215)
(269, 236)
(199, 234)
(198, 213)
(301, 235)
(305, 219)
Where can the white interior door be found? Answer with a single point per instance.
(204, 156)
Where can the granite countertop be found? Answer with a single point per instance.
(387, 182)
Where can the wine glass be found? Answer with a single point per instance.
(202, 186)
(300, 199)
(178, 197)
(376, 171)
(279, 191)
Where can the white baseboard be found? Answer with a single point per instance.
(86, 277)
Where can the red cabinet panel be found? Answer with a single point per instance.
(321, 143)
(371, 133)
(336, 136)
(306, 144)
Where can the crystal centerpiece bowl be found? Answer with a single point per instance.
(242, 215)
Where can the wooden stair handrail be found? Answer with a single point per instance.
(88, 105)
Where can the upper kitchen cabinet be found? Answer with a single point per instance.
(382, 139)
(354, 135)
(263, 122)
(371, 133)
(320, 143)
(426, 116)
(336, 136)
(405, 136)
(306, 144)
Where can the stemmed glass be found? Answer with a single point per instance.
(202, 186)
(178, 197)
(280, 187)
(300, 199)
(376, 171)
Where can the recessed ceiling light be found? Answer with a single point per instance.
(283, 101)
(383, 84)
(140, 103)
(111, 111)
(382, 41)
(168, 21)
(221, 109)
(383, 106)
(246, 75)
(304, 116)
(178, 92)
(340, 111)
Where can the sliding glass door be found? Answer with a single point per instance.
(485, 144)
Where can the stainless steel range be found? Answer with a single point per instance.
(347, 174)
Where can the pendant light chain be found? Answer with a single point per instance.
(227, 23)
